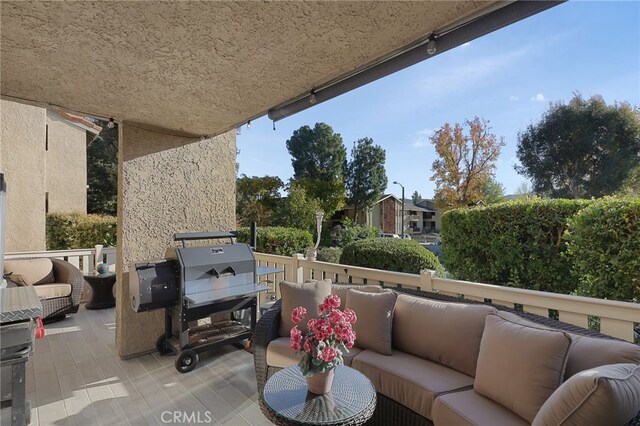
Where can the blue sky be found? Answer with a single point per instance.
(508, 77)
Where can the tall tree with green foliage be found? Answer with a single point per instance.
(256, 199)
(102, 171)
(319, 161)
(582, 149)
(366, 176)
(416, 197)
(297, 210)
(493, 191)
(467, 159)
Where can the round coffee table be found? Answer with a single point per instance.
(101, 290)
(286, 400)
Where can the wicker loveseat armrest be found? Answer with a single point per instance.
(65, 272)
(266, 330)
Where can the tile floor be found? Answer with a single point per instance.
(76, 378)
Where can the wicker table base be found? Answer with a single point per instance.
(101, 291)
(286, 401)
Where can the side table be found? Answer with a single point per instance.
(286, 400)
(101, 290)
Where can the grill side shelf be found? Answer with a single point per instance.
(207, 297)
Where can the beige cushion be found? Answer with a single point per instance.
(412, 381)
(30, 271)
(467, 408)
(308, 295)
(447, 333)
(520, 366)
(607, 395)
(589, 352)
(341, 291)
(375, 319)
(51, 291)
(280, 355)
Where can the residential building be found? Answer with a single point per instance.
(43, 155)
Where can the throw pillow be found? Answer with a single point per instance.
(375, 319)
(308, 295)
(30, 271)
(589, 398)
(341, 291)
(453, 334)
(519, 366)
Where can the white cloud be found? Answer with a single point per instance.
(514, 98)
(420, 139)
(470, 74)
(538, 98)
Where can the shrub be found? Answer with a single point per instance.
(329, 254)
(349, 231)
(517, 243)
(391, 255)
(603, 244)
(79, 230)
(279, 240)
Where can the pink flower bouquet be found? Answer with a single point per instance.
(327, 339)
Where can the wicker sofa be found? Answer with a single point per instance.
(459, 404)
(58, 283)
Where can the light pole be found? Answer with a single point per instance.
(402, 214)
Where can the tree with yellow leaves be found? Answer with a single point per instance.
(466, 162)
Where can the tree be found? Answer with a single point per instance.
(319, 163)
(524, 190)
(256, 199)
(583, 149)
(466, 162)
(366, 177)
(416, 197)
(493, 191)
(297, 210)
(102, 171)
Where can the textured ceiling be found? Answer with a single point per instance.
(199, 67)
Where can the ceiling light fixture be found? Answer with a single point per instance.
(111, 124)
(249, 124)
(312, 98)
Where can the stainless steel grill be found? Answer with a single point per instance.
(193, 283)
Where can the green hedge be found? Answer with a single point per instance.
(603, 244)
(390, 254)
(78, 230)
(518, 244)
(279, 240)
(329, 254)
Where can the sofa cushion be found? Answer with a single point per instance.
(30, 271)
(52, 291)
(520, 366)
(589, 352)
(375, 319)
(280, 355)
(308, 295)
(589, 396)
(410, 380)
(470, 408)
(341, 291)
(444, 332)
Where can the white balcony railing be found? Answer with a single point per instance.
(616, 318)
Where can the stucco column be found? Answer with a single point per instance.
(166, 184)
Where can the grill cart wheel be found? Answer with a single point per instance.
(186, 361)
(162, 345)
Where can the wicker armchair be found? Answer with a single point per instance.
(389, 411)
(57, 308)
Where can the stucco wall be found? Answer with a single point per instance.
(22, 160)
(167, 184)
(66, 174)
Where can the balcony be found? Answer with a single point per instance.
(76, 377)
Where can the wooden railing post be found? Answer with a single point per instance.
(426, 283)
(98, 256)
(298, 276)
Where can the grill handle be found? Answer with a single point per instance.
(188, 236)
(226, 271)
